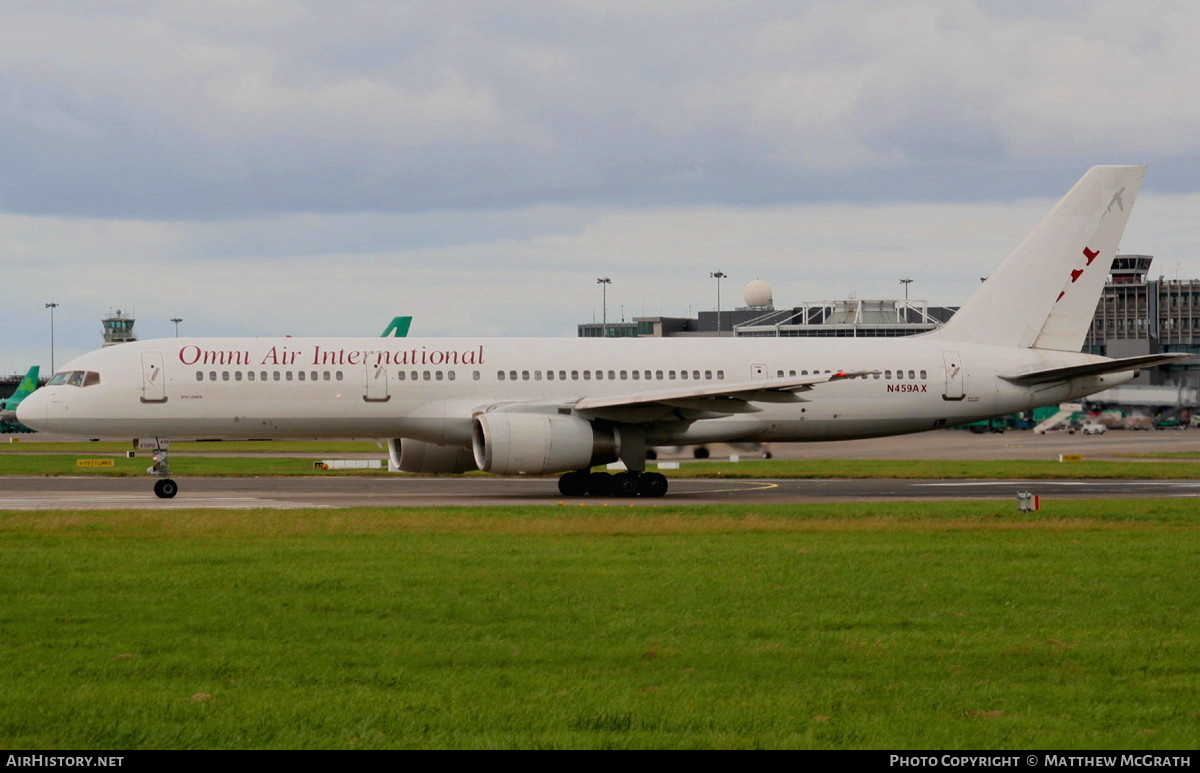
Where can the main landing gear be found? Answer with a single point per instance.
(622, 484)
(633, 482)
(164, 487)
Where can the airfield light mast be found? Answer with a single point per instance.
(52, 307)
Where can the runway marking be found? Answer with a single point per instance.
(1097, 482)
(757, 485)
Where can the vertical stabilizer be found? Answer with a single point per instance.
(8, 407)
(26, 387)
(1044, 294)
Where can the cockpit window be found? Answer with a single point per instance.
(79, 378)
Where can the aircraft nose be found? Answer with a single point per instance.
(32, 410)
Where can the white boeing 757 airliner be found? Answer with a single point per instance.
(512, 406)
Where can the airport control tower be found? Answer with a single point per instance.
(118, 329)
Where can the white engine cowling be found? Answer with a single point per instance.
(533, 443)
(429, 458)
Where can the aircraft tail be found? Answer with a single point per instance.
(26, 387)
(8, 406)
(1044, 295)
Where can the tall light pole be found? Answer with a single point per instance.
(604, 282)
(177, 320)
(718, 275)
(52, 307)
(906, 283)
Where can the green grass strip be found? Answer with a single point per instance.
(881, 625)
(183, 465)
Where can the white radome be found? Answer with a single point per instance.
(758, 294)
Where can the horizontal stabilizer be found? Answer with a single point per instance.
(1092, 369)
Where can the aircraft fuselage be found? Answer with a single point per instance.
(429, 389)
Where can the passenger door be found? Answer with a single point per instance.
(954, 377)
(376, 387)
(154, 380)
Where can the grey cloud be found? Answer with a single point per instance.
(217, 111)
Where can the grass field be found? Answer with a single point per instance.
(184, 465)
(257, 458)
(894, 625)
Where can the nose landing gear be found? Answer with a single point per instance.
(164, 488)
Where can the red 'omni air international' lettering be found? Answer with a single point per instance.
(194, 355)
(283, 355)
(420, 355)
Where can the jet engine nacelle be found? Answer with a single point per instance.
(512, 443)
(429, 458)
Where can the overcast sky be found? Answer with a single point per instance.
(316, 168)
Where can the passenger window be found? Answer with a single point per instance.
(399, 375)
(337, 376)
(562, 375)
(549, 375)
(224, 375)
(683, 375)
(237, 375)
(912, 376)
(612, 375)
(537, 375)
(720, 374)
(624, 375)
(275, 375)
(708, 375)
(658, 375)
(300, 375)
(437, 375)
(325, 375)
(199, 375)
(262, 375)
(425, 375)
(599, 375)
(779, 374)
(887, 374)
(500, 375)
(574, 375)
(288, 375)
(512, 375)
(923, 375)
(524, 375)
(636, 374)
(249, 375)
(671, 374)
(587, 375)
(449, 375)
(313, 374)
(475, 375)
